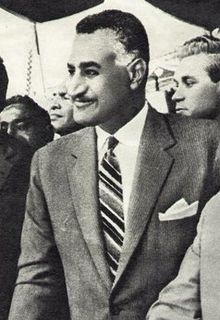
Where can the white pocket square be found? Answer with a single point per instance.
(179, 210)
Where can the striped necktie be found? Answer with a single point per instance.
(111, 205)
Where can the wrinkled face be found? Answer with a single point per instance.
(196, 94)
(98, 83)
(61, 113)
(20, 124)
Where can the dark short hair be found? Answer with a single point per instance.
(3, 83)
(213, 67)
(38, 114)
(128, 29)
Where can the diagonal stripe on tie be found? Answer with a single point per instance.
(107, 199)
(115, 218)
(111, 205)
(111, 170)
(110, 184)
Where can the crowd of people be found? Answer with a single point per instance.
(102, 222)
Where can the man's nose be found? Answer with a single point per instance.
(9, 130)
(76, 87)
(178, 95)
(55, 106)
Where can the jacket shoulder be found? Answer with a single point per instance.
(200, 124)
(195, 128)
(63, 144)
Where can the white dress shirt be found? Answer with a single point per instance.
(126, 150)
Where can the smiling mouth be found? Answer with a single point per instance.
(180, 109)
(80, 104)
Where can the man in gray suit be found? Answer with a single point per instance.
(113, 207)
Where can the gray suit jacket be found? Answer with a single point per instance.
(63, 256)
(195, 293)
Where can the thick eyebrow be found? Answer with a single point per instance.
(23, 119)
(84, 65)
(90, 64)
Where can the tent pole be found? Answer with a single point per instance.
(39, 56)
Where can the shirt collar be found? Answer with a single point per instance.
(129, 134)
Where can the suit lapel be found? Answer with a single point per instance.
(152, 168)
(82, 174)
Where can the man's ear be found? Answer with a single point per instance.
(137, 71)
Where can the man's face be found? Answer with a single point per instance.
(196, 94)
(98, 84)
(61, 112)
(19, 124)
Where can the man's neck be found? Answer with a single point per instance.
(64, 132)
(120, 120)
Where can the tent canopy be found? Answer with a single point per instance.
(46, 10)
(199, 12)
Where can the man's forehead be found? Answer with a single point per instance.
(15, 111)
(98, 46)
(193, 66)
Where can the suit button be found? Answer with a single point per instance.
(115, 310)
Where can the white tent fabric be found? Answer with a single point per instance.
(18, 50)
(34, 68)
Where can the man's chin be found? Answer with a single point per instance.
(85, 121)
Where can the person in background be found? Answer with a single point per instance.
(26, 121)
(15, 159)
(195, 293)
(3, 83)
(113, 207)
(197, 78)
(61, 113)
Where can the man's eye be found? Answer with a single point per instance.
(22, 126)
(189, 83)
(91, 72)
(64, 96)
(4, 126)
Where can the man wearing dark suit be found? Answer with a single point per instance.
(112, 208)
(15, 159)
(195, 292)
